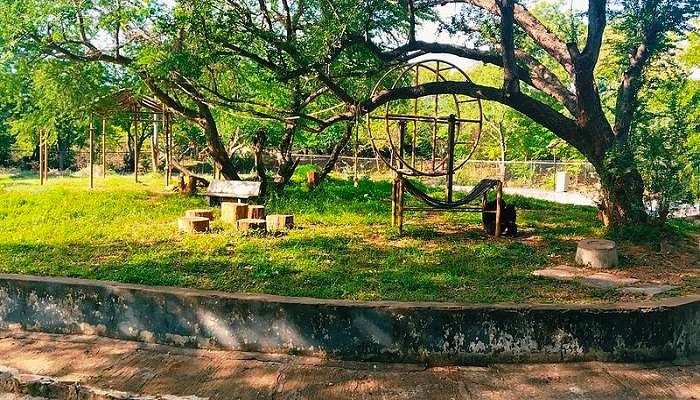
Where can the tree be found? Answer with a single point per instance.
(647, 29)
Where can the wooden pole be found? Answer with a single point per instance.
(92, 150)
(499, 196)
(41, 157)
(450, 156)
(104, 146)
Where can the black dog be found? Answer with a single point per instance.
(508, 215)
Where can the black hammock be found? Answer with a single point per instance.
(482, 187)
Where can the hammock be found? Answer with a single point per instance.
(482, 187)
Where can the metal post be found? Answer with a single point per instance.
(165, 139)
(46, 155)
(450, 155)
(356, 181)
(415, 123)
(155, 152)
(41, 157)
(399, 183)
(136, 146)
(499, 196)
(104, 146)
(168, 147)
(92, 150)
(435, 115)
(402, 136)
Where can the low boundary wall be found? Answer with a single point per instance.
(433, 333)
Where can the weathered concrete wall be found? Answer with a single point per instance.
(436, 333)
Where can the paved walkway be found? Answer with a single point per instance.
(159, 370)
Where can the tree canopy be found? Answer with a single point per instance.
(303, 70)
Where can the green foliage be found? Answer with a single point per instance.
(663, 137)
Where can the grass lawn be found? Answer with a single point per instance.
(343, 247)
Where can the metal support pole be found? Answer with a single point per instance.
(136, 147)
(41, 157)
(499, 196)
(435, 115)
(399, 183)
(155, 152)
(484, 199)
(415, 123)
(356, 181)
(104, 146)
(163, 122)
(91, 148)
(168, 147)
(450, 156)
(46, 155)
(402, 136)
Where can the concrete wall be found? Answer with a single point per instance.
(436, 333)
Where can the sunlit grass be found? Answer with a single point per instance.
(343, 246)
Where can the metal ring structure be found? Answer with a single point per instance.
(440, 70)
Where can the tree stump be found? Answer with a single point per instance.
(312, 178)
(278, 222)
(233, 212)
(256, 212)
(200, 212)
(597, 253)
(251, 224)
(190, 184)
(193, 224)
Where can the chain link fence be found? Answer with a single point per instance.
(525, 174)
(521, 174)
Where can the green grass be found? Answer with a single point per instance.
(343, 247)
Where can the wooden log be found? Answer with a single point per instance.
(277, 222)
(312, 178)
(597, 253)
(251, 224)
(233, 212)
(193, 224)
(256, 212)
(200, 212)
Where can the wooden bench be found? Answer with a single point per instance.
(238, 191)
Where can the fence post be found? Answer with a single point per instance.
(91, 149)
(41, 157)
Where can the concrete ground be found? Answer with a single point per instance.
(161, 370)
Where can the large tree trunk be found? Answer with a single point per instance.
(287, 163)
(621, 198)
(215, 147)
(622, 188)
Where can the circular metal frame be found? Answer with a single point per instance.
(407, 168)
